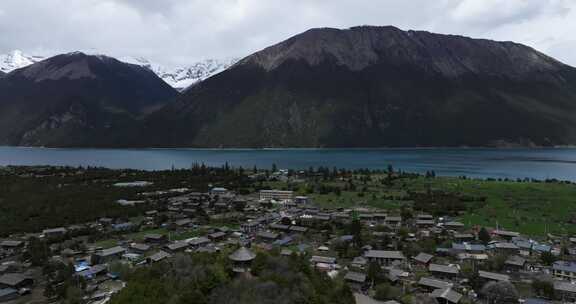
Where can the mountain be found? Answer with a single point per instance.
(15, 60)
(182, 77)
(179, 78)
(377, 87)
(77, 100)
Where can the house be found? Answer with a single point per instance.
(468, 248)
(12, 245)
(159, 256)
(515, 263)
(393, 221)
(251, 227)
(199, 242)
(220, 191)
(565, 291)
(446, 296)
(93, 272)
(492, 276)
(279, 227)
(504, 248)
(507, 235)
(139, 248)
(431, 284)
(301, 200)
(277, 195)
(177, 247)
(443, 271)
(298, 229)
(423, 224)
(564, 270)
(267, 237)
(383, 257)
(355, 280)
(217, 236)
(185, 222)
(15, 281)
(359, 262)
(156, 239)
(8, 294)
(108, 255)
(463, 237)
(423, 258)
(323, 263)
(55, 232)
(242, 259)
(454, 225)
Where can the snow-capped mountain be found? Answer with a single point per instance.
(179, 78)
(15, 60)
(182, 77)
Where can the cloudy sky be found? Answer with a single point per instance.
(176, 32)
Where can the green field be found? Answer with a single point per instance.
(527, 207)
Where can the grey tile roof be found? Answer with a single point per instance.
(243, 254)
(493, 276)
(355, 277)
(382, 254)
(434, 283)
(423, 257)
(443, 269)
(448, 294)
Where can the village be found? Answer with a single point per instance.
(383, 255)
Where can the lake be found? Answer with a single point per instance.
(557, 163)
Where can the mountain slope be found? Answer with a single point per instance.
(77, 100)
(375, 87)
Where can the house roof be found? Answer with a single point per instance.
(243, 254)
(448, 294)
(111, 251)
(423, 257)
(430, 282)
(567, 266)
(199, 241)
(493, 276)
(7, 291)
(177, 246)
(322, 259)
(12, 279)
(159, 256)
(11, 243)
(443, 268)
(515, 260)
(355, 277)
(383, 254)
(268, 235)
(468, 247)
(565, 286)
(141, 247)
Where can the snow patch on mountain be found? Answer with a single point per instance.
(17, 59)
(181, 78)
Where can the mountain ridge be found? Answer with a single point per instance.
(377, 87)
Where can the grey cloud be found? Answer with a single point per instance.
(177, 32)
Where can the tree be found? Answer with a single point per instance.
(543, 288)
(383, 292)
(373, 272)
(484, 236)
(500, 293)
(547, 258)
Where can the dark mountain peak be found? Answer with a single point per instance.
(446, 55)
(78, 65)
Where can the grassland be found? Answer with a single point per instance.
(533, 208)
